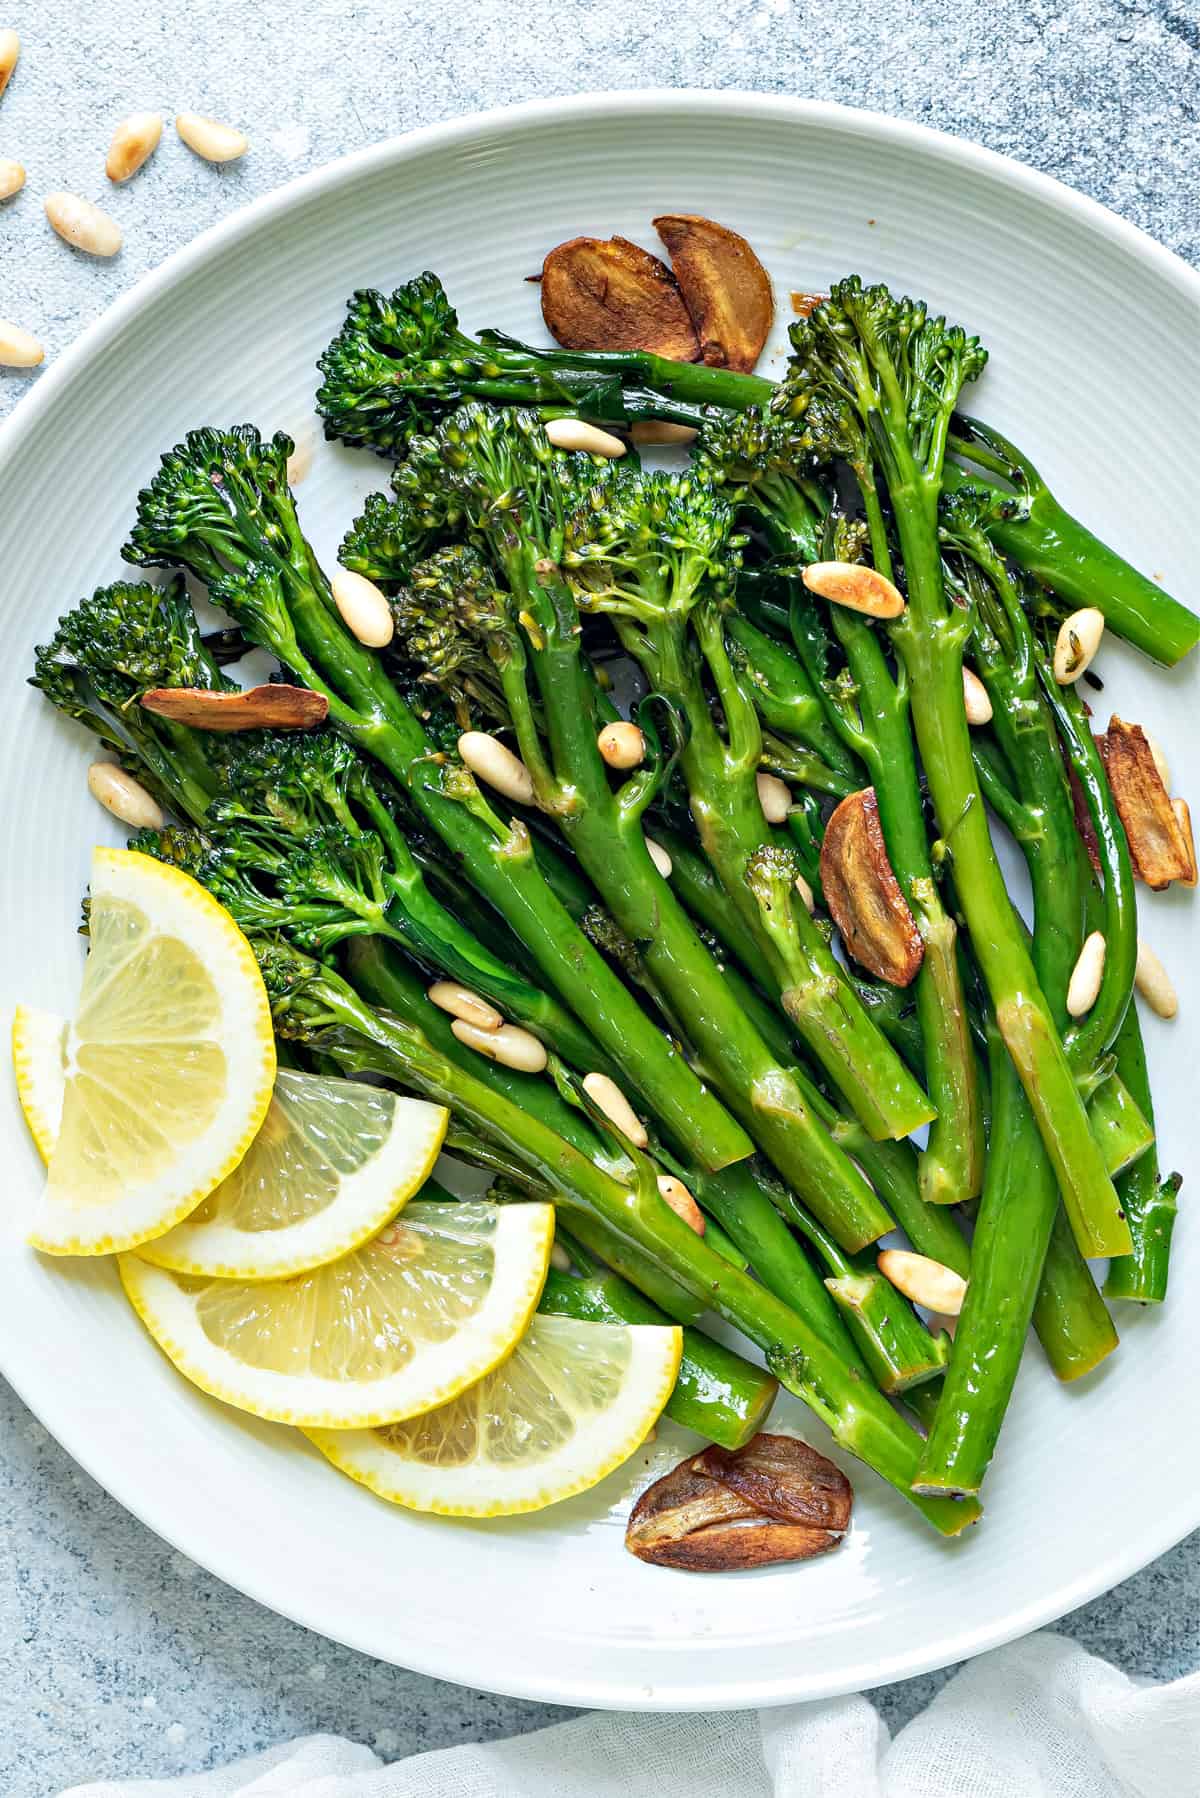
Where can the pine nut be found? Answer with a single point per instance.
(18, 349)
(1160, 759)
(134, 141)
(574, 434)
(210, 140)
(1154, 983)
(12, 178)
(492, 761)
(925, 1282)
(83, 225)
(10, 51)
(462, 1003)
(1086, 975)
(660, 431)
(1183, 817)
(659, 857)
(123, 796)
(364, 608)
(775, 797)
(622, 745)
(1076, 645)
(511, 1046)
(806, 893)
(607, 1096)
(975, 699)
(681, 1202)
(560, 1261)
(853, 584)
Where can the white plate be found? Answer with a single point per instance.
(1095, 342)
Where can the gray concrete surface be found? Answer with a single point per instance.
(117, 1657)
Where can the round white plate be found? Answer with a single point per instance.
(1096, 346)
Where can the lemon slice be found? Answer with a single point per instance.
(405, 1322)
(170, 1061)
(39, 1048)
(572, 1402)
(334, 1160)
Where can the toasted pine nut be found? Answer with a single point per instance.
(975, 698)
(608, 1097)
(855, 585)
(681, 1202)
(1076, 645)
(10, 51)
(83, 225)
(1160, 759)
(775, 797)
(559, 1259)
(659, 857)
(18, 349)
(1154, 983)
(134, 141)
(495, 763)
(511, 1046)
(1184, 818)
(364, 608)
(925, 1282)
(12, 178)
(213, 141)
(660, 430)
(622, 745)
(1086, 975)
(806, 893)
(575, 434)
(462, 1003)
(123, 796)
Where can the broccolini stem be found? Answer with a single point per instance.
(366, 706)
(930, 637)
(952, 1162)
(720, 772)
(1012, 1229)
(1030, 527)
(606, 835)
(785, 698)
(1149, 1200)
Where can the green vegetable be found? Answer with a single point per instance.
(400, 363)
(652, 552)
(879, 372)
(515, 493)
(760, 457)
(220, 505)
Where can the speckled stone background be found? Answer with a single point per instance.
(117, 1656)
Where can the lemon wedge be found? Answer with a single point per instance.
(168, 1065)
(570, 1404)
(403, 1323)
(333, 1162)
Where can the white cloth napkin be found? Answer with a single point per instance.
(1038, 1719)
